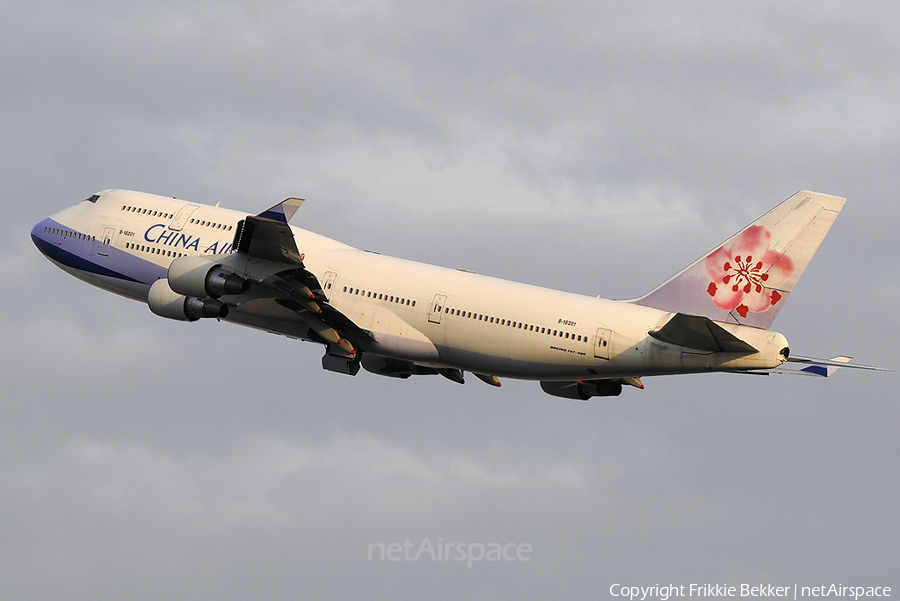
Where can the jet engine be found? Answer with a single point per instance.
(165, 302)
(582, 390)
(199, 277)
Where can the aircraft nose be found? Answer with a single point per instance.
(40, 234)
(54, 231)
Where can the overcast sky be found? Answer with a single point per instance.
(597, 147)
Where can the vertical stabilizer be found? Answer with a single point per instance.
(748, 278)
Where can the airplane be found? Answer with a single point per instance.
(399, 318)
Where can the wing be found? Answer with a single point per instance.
(268, 235)
(266, 242)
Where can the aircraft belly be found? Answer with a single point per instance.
(402, 347)
(395, 337)
(474, 361)
(127, 288)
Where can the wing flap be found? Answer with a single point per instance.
(303, 287)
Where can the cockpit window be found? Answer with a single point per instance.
(92, 198)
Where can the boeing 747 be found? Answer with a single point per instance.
(399, 318)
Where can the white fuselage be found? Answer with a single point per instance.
(124, 241)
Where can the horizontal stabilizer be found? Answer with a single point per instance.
(702, 334)
(816, 367)
(835, 362)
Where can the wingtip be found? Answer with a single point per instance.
(284, 210)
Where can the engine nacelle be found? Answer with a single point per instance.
(582, 391)
(165, 302)
(199, 277)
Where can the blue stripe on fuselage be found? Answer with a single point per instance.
(122, 265)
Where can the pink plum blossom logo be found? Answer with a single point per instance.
(744, 276)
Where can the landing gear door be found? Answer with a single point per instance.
(437, 307)
(601, 343)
